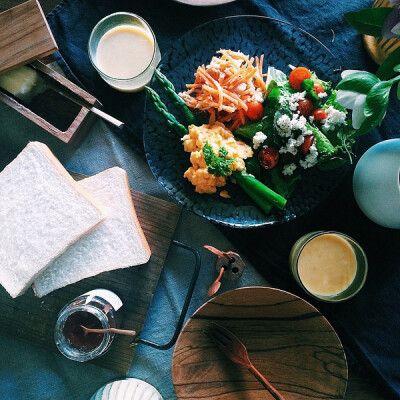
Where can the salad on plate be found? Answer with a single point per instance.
(260, 130)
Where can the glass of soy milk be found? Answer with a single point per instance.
(329, 266)
(123, 49)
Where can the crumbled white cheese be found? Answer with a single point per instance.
(291, 101)
(257, 96)
(294, 100)
(258, 139)
(333, 118)
(299, 140)
(240, 88)
(288, 169)
(311, 118)
(283, 126)
(322, 95)
(291, 147)
(298, 123)
(311, 158)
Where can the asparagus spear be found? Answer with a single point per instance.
(244, 179)
(179, 103)
(259, 200)
(161, 108)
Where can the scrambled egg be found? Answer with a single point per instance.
(216, 136)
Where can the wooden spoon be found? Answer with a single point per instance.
(219, 253)
(216, 284)
(113, 330)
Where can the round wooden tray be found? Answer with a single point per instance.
(287, 339)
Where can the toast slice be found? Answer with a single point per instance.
(42, 212)
(118, 242)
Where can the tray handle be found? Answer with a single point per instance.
(185, 307)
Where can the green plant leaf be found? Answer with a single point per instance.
(361, 82)
(398, 91)
(386, 70)
(368, 21)
(375, 106)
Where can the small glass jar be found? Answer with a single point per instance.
(99, 309)
(348, 290)
(107, 26)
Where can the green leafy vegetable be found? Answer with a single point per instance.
(360, 82)
(308, 86)
(218, 165)
(326, 85)
(249, 130)
(331, 163)
(331, 101)
(385, 71)
(253, 167)
(277, 75)
(368, 21)
(283, 185)
(271, 98)
(325, 148)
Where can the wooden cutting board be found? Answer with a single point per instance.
(32, 319)
(287, 339)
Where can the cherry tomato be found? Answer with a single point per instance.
(318, 88)
(255, 110)
(268, 157)
(305, 107)
(319, 114)
(297, 76)
(308, 141)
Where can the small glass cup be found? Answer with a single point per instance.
(98, 308)
(134, 83)
(361, 266)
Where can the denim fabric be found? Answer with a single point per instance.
(367, 324)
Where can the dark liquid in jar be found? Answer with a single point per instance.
(74, 334)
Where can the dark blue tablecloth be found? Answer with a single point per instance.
(367, 324)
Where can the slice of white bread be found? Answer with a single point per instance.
(42, 211)
(118, 242)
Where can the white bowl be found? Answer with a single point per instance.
(376, 183)
(127, 389)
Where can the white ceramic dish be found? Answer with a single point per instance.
(127, 389)
(204, 3)
(376, 183)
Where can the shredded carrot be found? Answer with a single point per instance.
(226, 86)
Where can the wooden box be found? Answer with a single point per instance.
(64, 110)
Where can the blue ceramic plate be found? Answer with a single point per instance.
(281, 44)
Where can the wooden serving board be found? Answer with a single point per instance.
(32, 319)
(287, 339)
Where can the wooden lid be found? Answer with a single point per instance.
(24, 35)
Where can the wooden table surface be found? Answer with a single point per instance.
(361, 386)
